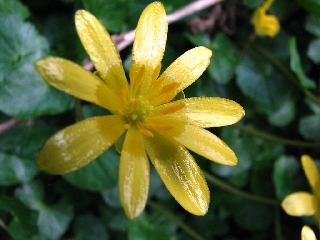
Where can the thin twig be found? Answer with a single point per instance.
(273, 138)
(9, 124)
(125, 39)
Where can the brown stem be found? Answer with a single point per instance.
(5, 126)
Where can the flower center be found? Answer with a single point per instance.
(136, 107)
(137, 110)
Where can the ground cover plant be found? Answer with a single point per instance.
(215, 135)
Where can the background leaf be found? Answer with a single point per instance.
(22, 91)
(14, 7)
(98, 175)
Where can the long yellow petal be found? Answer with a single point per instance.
(79, 144)
(101, 49)
(71, 78)
(307, 233)
(300, 204)
(201, 142)
(150, 41)
(310, 169)
(180, 173)
(134, 174)
(206, 111)
(186, 69)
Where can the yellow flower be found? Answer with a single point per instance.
(304, 203)
(264, 24)
(307, 233)
(155, 127)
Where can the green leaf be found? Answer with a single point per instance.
(312, 6)
(201, 39)
(14, 7)
(23, 224)
(19, 147)
(285, 113)
(225, 59)
(314, 50)
(296, 67)
(309, 127)
(100, 174)
(89, 227)
(31, 194)
(16, 170)
(269, 90)
(254, 216)
(23, 93)
(53, 220)
(153, 226)
(313, 25)
(115, 219)
(121, 15)
(253, 3)
(285, 176)
(238, 174)
(111, 197)
(263, 165)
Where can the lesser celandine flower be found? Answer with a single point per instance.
(155, 127)
(307, 233)
(304, 203)
(265, 24)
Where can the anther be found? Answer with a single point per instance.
(146, 132)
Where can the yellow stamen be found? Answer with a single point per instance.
(123, 94)
(156, 73)
(167, 93)
(157, 127)
(160, 99)
(170, 87)
(119, 112)
(172, 109)
(154, 85)
(137, 81)
(135, 105)
(132, 73)
(126, 126)
(146, 132)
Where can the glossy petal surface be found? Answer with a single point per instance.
(188, 67)
(150, 40)
(100, 47)
(201, 142)
(310, 169)
(207, 111)
(300, 204)
(180, 173)
(134, 174)
(307, 233)
(71, 78)
(79, 144)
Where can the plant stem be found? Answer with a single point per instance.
(228, 187)
(273, 138)
(286, 73)
(174, 219)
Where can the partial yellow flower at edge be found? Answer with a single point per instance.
(304, 203)
(307, 233)
(265, 24)
(154, 126)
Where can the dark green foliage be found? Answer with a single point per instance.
(276, 80)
